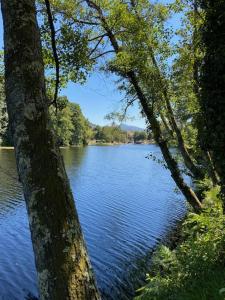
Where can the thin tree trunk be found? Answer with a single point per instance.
(195, 171)
(170, 161)
(62, 263)
(212, 171)
(166, 125)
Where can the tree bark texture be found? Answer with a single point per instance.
(63, 267)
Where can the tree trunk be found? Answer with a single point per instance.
(170, 161)
(211, 170)
(212, 82)
(62, 263)
(196, 171)
(166, 125)
(188, 161)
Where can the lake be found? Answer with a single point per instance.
(126, 203)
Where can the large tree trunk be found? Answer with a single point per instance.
(196, 88)
(62, 263)
(212, 82)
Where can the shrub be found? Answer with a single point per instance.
(195, 269)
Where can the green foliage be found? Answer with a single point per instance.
(195, 269)
(110, 134)
(70, 126)
(82, 131)
(63, 126)
(143, 38)
(136, 36)
(212, 82)
(140, 136)
(71, 40)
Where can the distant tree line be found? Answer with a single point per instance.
(72, 128)
(180, 89)
(114, 134)
(69, 123)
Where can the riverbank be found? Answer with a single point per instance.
(91, 144)
(194, 269)
(6, 148)
(98, 143)
(105, 144)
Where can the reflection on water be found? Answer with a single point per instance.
(126, 205)
(10, 192)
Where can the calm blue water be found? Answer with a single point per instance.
(126, 205)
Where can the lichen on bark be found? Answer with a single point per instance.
(53, 219)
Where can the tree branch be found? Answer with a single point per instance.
(54, 50)
(101, 54)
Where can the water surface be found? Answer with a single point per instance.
(126, 204)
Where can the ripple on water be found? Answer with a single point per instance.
(126, 205)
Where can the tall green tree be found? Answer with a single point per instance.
(82, 131)
(132, 62)
(212, 82)
(110, 134)
(70, 125)
(132, 37)
(62, 263)
(63, 126)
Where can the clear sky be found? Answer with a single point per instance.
(98, 96)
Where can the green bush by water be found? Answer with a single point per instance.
(195, 270)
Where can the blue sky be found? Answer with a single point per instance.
(98, 96)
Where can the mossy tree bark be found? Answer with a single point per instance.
(62, 263)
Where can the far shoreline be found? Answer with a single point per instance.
(6, 148)
(91, 144)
